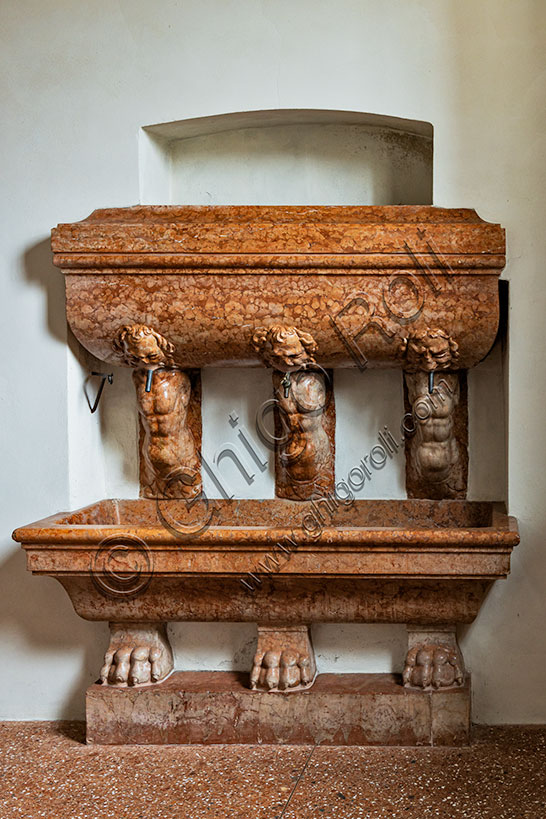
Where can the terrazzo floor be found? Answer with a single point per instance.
(46, 770)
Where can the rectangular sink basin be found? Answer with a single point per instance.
(207, 277)
(371, 560)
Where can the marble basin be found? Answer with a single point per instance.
(356, 278)
(275, 561)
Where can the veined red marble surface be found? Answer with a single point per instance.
(207, 277)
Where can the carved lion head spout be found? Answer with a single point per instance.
(284, 348)
(429, 350)
(141, 346)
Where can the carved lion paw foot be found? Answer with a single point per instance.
(433, 666)
(284, 660)
(137, 655)
(280, 671)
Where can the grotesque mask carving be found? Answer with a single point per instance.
(142, 346)
(284, 348)
(429, 350)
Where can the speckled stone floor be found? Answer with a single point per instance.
(47, 771)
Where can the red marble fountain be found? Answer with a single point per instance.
(302, 291)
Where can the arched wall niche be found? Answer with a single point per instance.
(287, 157)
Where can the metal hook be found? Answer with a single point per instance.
(104, 378)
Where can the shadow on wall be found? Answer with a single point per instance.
(36, 612)
(111, 433)
(39, 270)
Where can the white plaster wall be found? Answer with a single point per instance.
(78, 81)
(302, 164)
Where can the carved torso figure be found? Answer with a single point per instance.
(168, 450)
(171, 466)
(304, 456)
(304, 453)
(434, 445)
(436, 467)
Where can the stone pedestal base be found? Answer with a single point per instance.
(208, 707)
